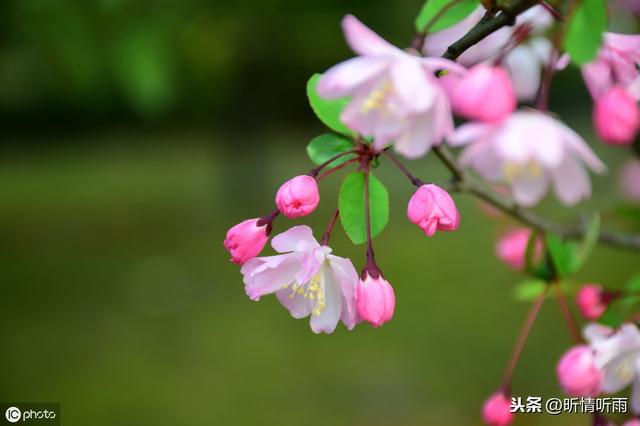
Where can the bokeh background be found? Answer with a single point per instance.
(135, 132)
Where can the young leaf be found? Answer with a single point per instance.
(352, 208)
(327, 110)
(456, 11)
(562, 255)
(584, 36)
(324, 147)
(633, 286)
(528, 290)
(588, 243)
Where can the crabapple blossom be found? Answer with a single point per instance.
(395, 95)
(484, 94)
(615, 65)
(632, 422)
(591, 301)
(298, 196)
(616, 116)
(578, 373)
(246, 240)
(629, 180)
(497, 410)
(307, 280)
(433, 209)
(375, 300)
(529, 151)
(512, 248)
(524, 61)
(617, 355)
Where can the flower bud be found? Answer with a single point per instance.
(432, 208)
(298, 196)
(616, 117)
(245, 240)
(375, 300)
(512, 248)
(485, 93)
(591, 302)
(497, 410)
(578, 374)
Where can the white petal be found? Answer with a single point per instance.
(571, 182)
(529, 188)
(412, 84)
(347, 77)
(328, 319)
(298, 238)
(298, 306)
(363, 40)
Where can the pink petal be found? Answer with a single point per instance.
(266, 275)
(412, 84)
(571, 182)
(297, 305)
(328, 319)
(347, 77)
(529, 189)
(347, 277)
(298, 238)
(363, 40)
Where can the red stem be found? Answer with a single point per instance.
(336, 168)
(414, 180)
(327, 234)
(572, 325)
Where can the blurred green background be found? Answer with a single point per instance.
(135, 133)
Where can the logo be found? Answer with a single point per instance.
(13, 414)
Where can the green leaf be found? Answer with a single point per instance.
(324, 147)
(588, 243)
(327, 110)
(633, 286)
(352, 208)
(528, 290)
(454, 13)
(562, 255)
(586, 27)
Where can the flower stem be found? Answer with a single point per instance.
(371, 268)
(572, 325)
(523, 336)
(327, 234)
(314, 172)
(336, 168)
(268, 220)
(414, 180)
(418, 42)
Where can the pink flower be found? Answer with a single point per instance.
(512, 248)
(578, 373)
(375, 300)
(245, 240)
(433, 209)
(497, 410)
(298, 196)
(632, 422)
(395, 96)
(614, 66)
(307, 279)
(629, 180)
(616, 116)
(590, 300)
(529, 151)
(617, 355)
(485, 94)
(524, 62)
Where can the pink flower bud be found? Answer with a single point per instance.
(591, 302)
(578, 374)
(630, 181)
(298, 196)
(375, 300)
(485, 93)
(245, 240)
(512, 248)
(497, 410)
(632, 422)
(616, 117)
(432, 208)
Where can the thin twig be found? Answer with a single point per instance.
(327, 234)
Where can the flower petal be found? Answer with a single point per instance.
(328, 319)
(412, 84)
(266, 275)
(363, 40)
(347, 277)
(529, 188)
(571, 182)
(298, 305)
(347, 77)
(298, 238)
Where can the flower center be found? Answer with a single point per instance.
(511, 171)
(378, 99)
(313, 291)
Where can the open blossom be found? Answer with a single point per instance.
(617, 355)
(395, 96)
(307, 279)
(497, 410)
(616, 116)
(433, 209)
(484, 94)
(578, 373)
(530, 151)
(375, 300)
(512, 248)
(591, 301)
(298, 196)
(615, 65)
(524, 63)
(246, 240)
(629, 180)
